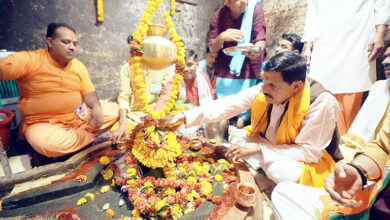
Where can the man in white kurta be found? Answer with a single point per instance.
(342, 40)
(279, 161)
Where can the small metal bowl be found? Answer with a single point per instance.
(195, 143)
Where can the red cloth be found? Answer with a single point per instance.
(223, 20)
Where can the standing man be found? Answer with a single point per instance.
(344, 46)
(52, 85)
(237, 22)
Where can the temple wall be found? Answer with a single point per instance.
(283, 16)
(102, 47)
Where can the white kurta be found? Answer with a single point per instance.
(340, 31)
(315, 135)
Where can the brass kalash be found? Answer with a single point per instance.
(159, 52)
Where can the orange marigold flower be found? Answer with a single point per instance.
(110, 213)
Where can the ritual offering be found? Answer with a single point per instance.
(196, 143)
(245, 194)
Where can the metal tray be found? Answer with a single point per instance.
(240, 50)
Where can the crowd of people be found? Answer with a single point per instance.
(300, 113)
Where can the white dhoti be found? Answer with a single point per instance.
(294, 201)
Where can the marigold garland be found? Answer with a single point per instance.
(154, 148)
(173, 7)
(100, 15)
(135, 61)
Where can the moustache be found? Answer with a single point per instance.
(268, 95)
(386, 66)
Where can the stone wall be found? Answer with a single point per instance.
(102, 46)
(283, 16)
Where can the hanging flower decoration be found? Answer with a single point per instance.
(173, 7)
(99, 6)
(136, 57)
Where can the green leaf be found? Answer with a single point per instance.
(145, 188)
(132, 177)
(191, 174)
(158, 190)
(183, 175)
(163, 208)
(181, 207)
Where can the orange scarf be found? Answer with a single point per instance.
(290, 126)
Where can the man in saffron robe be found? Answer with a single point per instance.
(293, 122)
(52, 85)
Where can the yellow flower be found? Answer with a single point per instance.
(81, 201)
(192, 180)
(218, 177)
(104, 189)
(195, 194)
(132, 183)
(104, 160)
(165, 15)
(206, 187)
(99, 5)
(135, 212)
(222, 161)
(190, 198)
(90, 195)
(176, 212)
(159, 205)
(108, 175)
(169, 192)
(131, 171)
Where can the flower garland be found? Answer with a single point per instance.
(152, 147)
(135, 62)
(100, 15)
(173, 7)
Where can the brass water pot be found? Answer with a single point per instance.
(159, 52)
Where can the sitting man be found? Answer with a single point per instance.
(196, 87)
(293, 122)
(52, 85)
(348, 184)
(157, 84)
